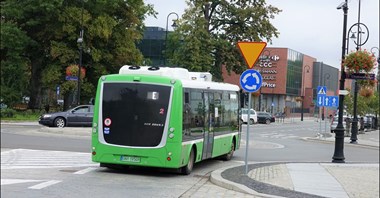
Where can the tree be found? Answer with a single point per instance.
(52, 28)
(209, 30)
(15, 72)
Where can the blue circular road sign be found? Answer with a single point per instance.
(251, 80)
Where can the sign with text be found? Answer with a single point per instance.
(361, 76)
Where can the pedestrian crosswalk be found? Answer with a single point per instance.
(279, 135)
(26, 158)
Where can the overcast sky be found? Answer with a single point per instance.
(312, 27)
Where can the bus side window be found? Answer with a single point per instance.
(187, 100)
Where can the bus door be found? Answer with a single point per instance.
(209, 117)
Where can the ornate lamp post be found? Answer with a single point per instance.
(359, 43)
(166, 34)
(303, 88)
(338, 156)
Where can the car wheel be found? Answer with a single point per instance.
(186, 170)
(59, 122)
(267, 121)
(251, 121)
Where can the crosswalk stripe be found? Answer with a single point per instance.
(44, 184)
(26, 158)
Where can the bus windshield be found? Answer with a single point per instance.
(134, 114)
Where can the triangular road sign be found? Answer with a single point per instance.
(251, 51)
(321, 90)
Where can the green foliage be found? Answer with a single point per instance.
(209, 30)
(365, 105)
(7, 113)
(13, 115)
(15, 71)
(39, 40)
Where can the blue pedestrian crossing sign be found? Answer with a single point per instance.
(251, 80)
(321, 96)
(326, 101)
(321, 90)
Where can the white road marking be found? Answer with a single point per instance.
(26, 158)
(17, 181)
(44, 184)
(84, 171)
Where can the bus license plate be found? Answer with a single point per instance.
(130, 159)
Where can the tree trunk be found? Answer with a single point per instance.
(35, 85)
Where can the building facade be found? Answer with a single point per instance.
(290, 80)
(152, 45)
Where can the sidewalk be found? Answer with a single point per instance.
(335, 180)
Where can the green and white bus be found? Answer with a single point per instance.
(164, 117)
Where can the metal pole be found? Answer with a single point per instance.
(354, 127)
(338, 156)
(303, 94)
(80, 40)
(166, 33)
(247, 138)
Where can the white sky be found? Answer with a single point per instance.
(312, 27)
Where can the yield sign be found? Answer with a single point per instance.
(251, 51)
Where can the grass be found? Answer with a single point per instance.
(12, 115)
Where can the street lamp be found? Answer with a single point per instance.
(80, 42)
(166, 34)
(338, 156)
(359, 43)
(303, 88)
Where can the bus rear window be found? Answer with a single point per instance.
(134, 114)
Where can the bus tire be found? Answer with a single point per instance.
(230, 154)
(186, 170)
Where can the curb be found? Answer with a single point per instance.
(79, 131)
(311, 139)
(217, 179)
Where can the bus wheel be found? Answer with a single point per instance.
(186, 170)
(230, 154)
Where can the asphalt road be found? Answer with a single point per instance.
(36, 164)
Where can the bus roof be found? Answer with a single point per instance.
(199, 80)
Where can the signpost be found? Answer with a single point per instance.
(250, 80)
(326, 101)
